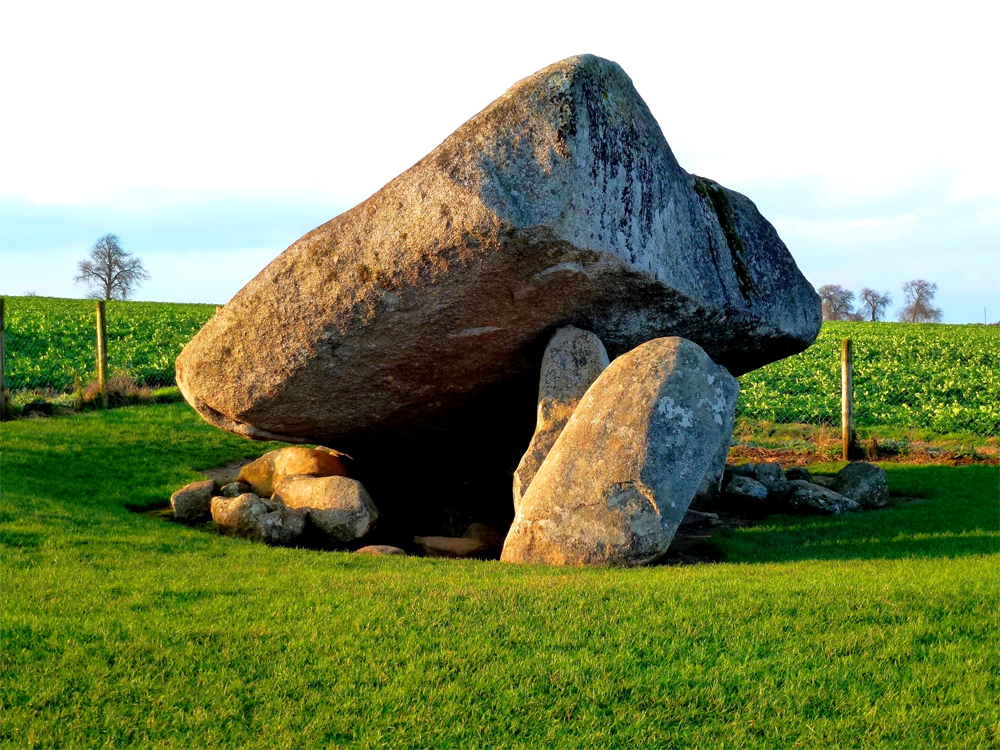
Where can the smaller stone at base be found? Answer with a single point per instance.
(193, 502)
(454, 547)
(235, 489)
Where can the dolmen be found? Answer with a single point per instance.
(410, 331)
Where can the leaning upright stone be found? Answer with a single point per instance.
(572, 361)
(619, 479)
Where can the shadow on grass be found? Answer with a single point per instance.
(959, 516)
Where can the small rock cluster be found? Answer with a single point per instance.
(757, 490)
(303, 497)
(288, 497)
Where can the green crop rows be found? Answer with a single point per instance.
(940, 377)
(51, 342)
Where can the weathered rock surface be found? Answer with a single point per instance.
(572, 361)
(338, 507)
(744, 489)
(864, 483)
(193, 502)
(252, 517)
(264, 474)
(770, 474)
(560, 203)
(619, 479)
(380, 549)
(235, 489)
(802, 497)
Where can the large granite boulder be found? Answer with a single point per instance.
(403, 320)
(572, 361)
(619, 480)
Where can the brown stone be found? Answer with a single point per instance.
(338, 507)
(455, 547)
(267, 471)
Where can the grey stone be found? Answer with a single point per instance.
(252, 517)
(622, 474)
(802, 497)
(264, 474)
(560, 203)
(193, 502)
(572, 361)
(742, 489)
(338, 507)
(742, 470)
(235, 489)
(769, 474)
(864, 483)
(798, 473)
(823, 481)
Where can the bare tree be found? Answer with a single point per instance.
(837, 302)
(110, 272)
(873, 304)
(917, 298)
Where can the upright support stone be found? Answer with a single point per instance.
(572, 361)
(619, 479)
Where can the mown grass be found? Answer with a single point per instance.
(121, 630)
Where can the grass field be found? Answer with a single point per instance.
(118, 629)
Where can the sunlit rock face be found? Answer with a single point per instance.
(419, 317)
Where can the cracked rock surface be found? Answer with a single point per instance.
(560, 203)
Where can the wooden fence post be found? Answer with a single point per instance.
(847, 398)
(4, 402)
(102, 354)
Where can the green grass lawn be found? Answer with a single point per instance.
(119, 629)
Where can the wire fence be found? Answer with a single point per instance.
(934, 377)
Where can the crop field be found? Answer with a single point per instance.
(51, 341)
(939, 377)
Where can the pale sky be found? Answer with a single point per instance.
(210, 136)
